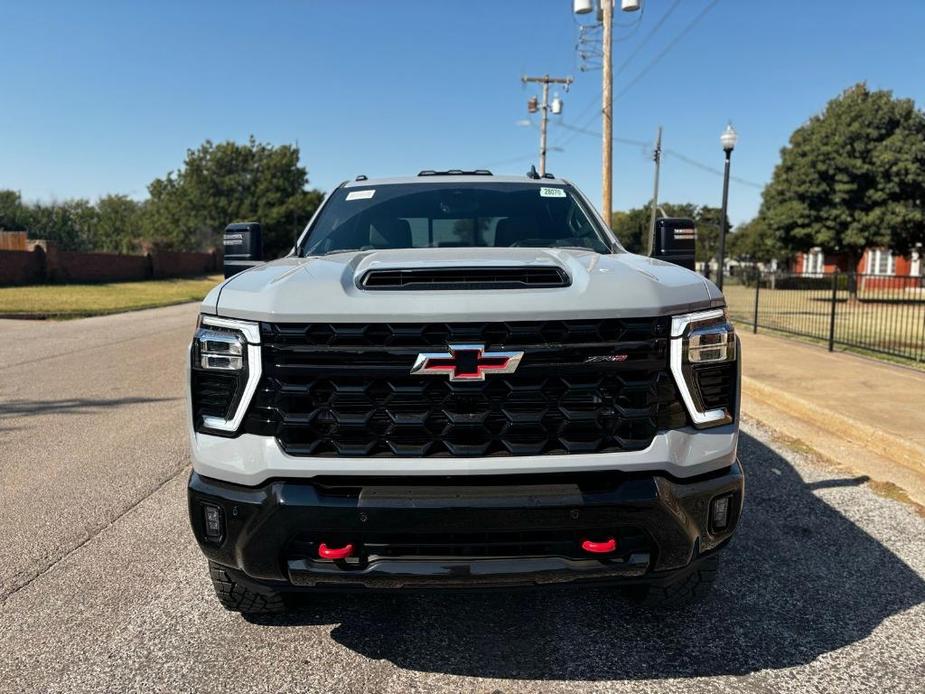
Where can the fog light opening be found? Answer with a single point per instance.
(213, 522)
(719, 512)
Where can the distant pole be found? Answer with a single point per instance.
(545, 80)
(607, 114)
(832, 313)
(657, 155)
(722, 222)
(728, 139)
(544, 121)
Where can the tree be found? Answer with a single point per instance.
(69, 223)
(13, 214)
(852, 177)
(229, 182)
(117, 226)
(755, 242)
(632, 227)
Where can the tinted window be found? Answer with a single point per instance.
(437, 215)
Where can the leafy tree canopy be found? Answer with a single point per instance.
(188, 209)
(112, 224)
(229, 182)
(755, 242)
(118, 224)
(632, 227)
(852, 177)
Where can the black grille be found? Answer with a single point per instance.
(213, 393)
(717, 385)
(466, 278)
(584, 386)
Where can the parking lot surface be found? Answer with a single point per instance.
(103, 589)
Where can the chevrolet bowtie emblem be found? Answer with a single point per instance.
(466, 363)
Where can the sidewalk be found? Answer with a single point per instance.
(856, 412)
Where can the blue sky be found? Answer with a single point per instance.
(99, 97)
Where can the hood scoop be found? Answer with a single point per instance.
(456, 278)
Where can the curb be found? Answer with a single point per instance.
(876, 440)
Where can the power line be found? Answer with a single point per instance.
(512, 160)
(671, 44)
(642, 44)
(590, 34)
(645, 70)
(632, 26)
(585, 131)
(712, 170)
(669, 152)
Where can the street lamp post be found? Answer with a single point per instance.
(728, 139)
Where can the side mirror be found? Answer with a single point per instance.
(243, 247)
(675, 241)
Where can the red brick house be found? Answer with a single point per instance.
(879, 266)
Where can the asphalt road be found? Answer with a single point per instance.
(103, 589)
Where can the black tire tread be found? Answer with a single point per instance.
(239, 598)
(692, 589)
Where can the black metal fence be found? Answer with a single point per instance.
(884, 314)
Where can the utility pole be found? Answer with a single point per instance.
(545, 80)
(607, 113)
(657, 155)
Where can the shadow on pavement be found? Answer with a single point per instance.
(30, 408)
(798, 581)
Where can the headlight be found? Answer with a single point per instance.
(220, 351)
(703, 362)
(224, 371)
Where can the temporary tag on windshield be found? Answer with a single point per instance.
(552, 193)
(361, 194)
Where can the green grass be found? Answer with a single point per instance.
(877, 325)
(80, 300)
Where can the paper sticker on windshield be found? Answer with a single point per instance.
(361, 194)
(552, 193)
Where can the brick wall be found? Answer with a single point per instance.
(174, 264)
(71, 266)
(47, 263)
(22, 267)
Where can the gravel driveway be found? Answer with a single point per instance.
(105, 590)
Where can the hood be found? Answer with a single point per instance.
(325, 288)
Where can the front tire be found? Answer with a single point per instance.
(690, 590)
(239, 598)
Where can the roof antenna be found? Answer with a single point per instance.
(532, 172)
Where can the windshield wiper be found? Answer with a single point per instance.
(577, 248)
(337, 250)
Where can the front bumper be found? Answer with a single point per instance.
(518, 530)
(252, 460)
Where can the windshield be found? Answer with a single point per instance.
(451, 215)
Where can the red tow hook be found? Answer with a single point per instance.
(326, 552)
(606, 547)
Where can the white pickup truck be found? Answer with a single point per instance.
(458, 380)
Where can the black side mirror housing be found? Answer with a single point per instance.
(243, 247)
(675, 241)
